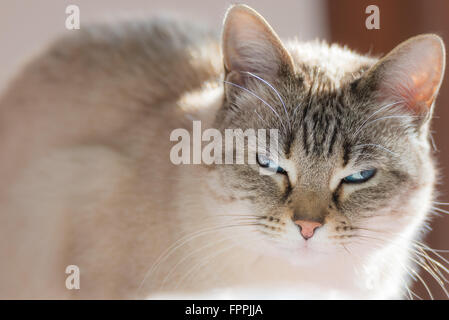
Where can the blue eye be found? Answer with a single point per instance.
(360, 176)
(265, 162)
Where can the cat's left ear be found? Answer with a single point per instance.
(410, 75)
(249, 44)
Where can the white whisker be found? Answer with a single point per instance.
(377, 146)
(274, 89)
(374, 113)
(260, 99)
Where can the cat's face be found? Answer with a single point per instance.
(354, 167)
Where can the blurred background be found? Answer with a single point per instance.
(26, 26)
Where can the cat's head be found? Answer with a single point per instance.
(354, 165)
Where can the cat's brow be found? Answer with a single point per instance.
(276, 91)
(260, 99)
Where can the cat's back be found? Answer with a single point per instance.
(74, 124)
(160, 58)
(100, 81)
(145, 62)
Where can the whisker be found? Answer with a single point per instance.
(441, 203)
(432, 273)
(432, 140)
(260, 99)
(416, 275)
(205, 261)
(274, 89)
(392, 117)
(421, 258)
(374, 113)
(440, 210)
(377, 146)
(424, 283)
(208, 245)
(180, 242)
(260, 117)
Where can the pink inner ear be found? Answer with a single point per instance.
(418, 90)
(414, 74)
(426, 84)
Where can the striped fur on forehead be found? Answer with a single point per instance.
(316, 105)
(332, 64)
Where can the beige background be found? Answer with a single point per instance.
(25, 26)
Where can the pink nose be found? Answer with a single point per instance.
(307, 227)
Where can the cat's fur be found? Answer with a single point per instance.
(87, 179)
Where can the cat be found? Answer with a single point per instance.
(87, 178)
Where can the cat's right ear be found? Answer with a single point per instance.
(249, 44)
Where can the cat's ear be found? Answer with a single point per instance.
(411, 74)
(249, 44)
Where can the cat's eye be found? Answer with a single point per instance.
(266, 162)
(360, 176)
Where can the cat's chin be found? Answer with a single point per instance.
(302, 254)
(306, 257)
